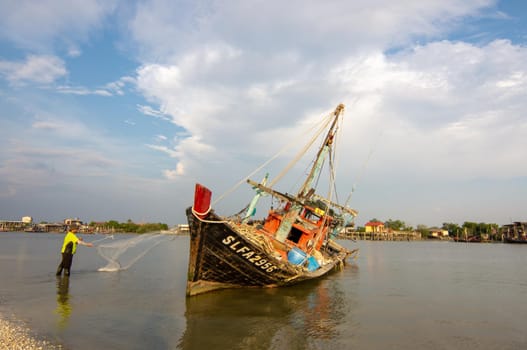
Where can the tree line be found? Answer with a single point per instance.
(128, 226)
(467, 228)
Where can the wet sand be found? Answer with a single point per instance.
(14, 335)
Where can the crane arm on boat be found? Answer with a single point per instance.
(252, 207)
(274, 193)
(351, 211)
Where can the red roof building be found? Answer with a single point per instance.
(374, 226)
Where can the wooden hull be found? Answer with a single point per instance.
(517, 241)
(228, 255)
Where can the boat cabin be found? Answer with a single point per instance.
(309, 223)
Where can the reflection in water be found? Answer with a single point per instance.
(280, 318)
(63, 309)
(324, 312)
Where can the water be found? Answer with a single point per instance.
(397, 295)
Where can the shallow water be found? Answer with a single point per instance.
(396, 295)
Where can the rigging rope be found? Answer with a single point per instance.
(302, 152)
(323, 124)
(331, 184)
(363, 168)
(195, 213)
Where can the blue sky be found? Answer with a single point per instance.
(114, 109)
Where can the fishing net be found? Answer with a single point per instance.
(122, 253)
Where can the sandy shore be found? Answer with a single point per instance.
(14, 335)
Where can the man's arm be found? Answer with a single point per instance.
(87, 244)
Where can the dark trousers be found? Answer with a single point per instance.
(67, 259)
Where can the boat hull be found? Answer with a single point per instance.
(222, 256)
(516, 241)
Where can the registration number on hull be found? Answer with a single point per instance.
(248, 254)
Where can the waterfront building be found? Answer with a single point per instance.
(15, 225)
(515, 232)
(374, 226)
(73, 222)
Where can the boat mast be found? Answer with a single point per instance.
(321, 155)
(306, 191)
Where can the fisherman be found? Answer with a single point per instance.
(69, 247)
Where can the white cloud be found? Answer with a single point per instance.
(260, 68)
(313, 27)
(37, 25)
(149, 110)
(82, 91)
(110, 89)
(118, 87)
(515, 79)
(37, 69)
(171, 152)
(74, 51)
(175, 173)
(444, 109)
(62, 127)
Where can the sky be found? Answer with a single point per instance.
(113, 110)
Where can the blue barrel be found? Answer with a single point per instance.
(296, 256)
(312, 264)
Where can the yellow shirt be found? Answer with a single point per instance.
(70, 237)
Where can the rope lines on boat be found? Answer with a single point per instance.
(238, 214)
(322, 128)
(202, 214)
(326, 200)
(323, 124)
(363, 169)
(333, 163)
(196, 215)
(323, 231)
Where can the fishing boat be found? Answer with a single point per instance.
(515, 240)
(294, 243)
(470, 239)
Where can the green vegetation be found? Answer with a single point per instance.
(397, 225)
(423, 230)
(470, 229)
(129, 226)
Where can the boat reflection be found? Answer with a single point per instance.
(284, 318)
(63, 309)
